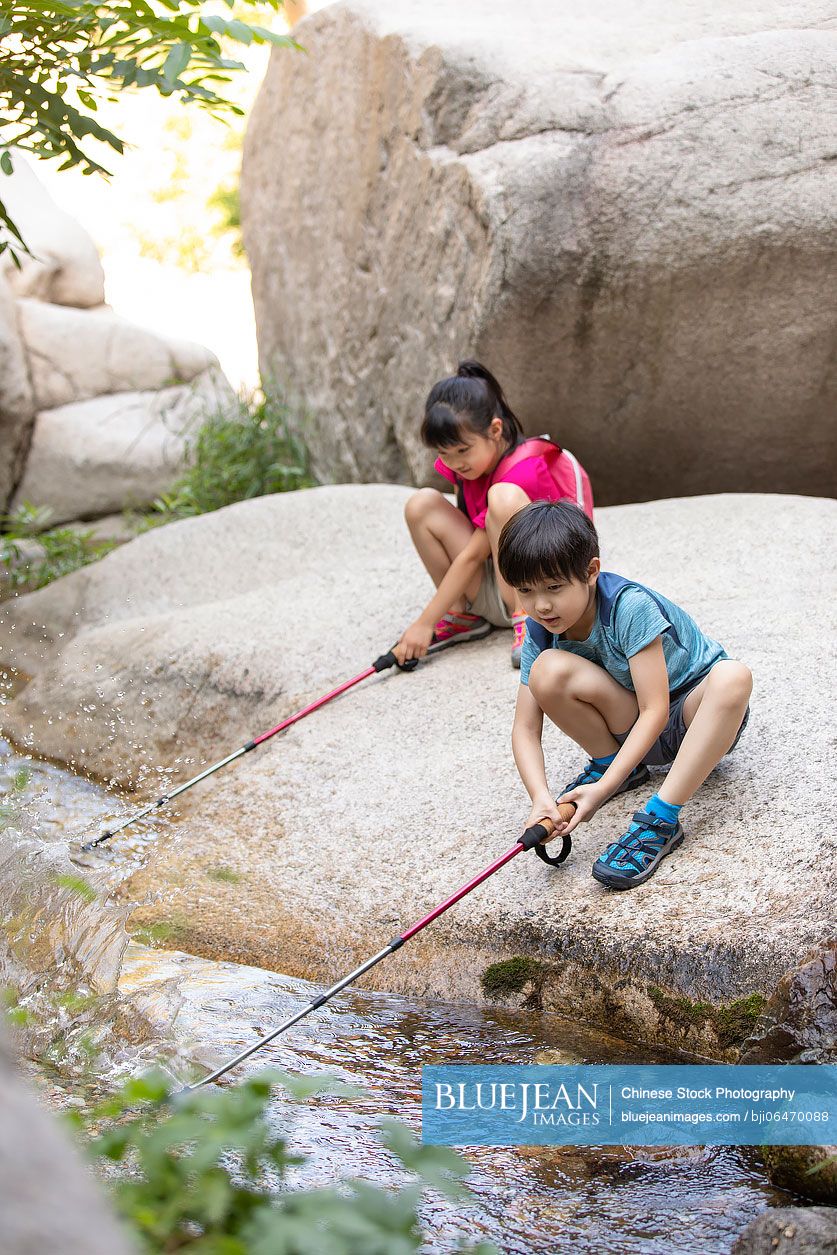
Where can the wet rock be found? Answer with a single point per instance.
(626, 212)
(17, 406)
(97, 456)
(191, 639)
(64, 265)
(77, 354)
(49, 1200)
(799, 1023)
(807, 1170)
(790, 1231)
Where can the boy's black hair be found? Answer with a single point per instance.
(466, 401)
(545, 540)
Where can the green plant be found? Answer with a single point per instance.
(205, 1173)
(10, 805)
(225, 201)
(32, 557)
(60, 61)
(236, 458)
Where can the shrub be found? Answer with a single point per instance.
(205, 1172)
(238, 457)
(33, 557)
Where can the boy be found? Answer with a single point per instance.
(625, 673)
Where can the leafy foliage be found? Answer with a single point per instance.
(33, 557)
(60, 61)
(236, 458)
(206, 1173)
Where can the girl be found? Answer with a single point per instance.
(496, 471)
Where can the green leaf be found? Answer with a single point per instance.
(6, 162)
(77, 885)
(176, 62)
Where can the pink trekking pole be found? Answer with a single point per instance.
(532, 839)
(383, 663)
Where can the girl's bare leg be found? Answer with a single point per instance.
(712, 713)
(440, 532)
(504, 500)
(583, 700)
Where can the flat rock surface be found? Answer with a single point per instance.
(318, 847)
(626, 211)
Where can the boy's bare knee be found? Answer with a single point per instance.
(420, 502)
(551, 673)
(731, 682)
(504, 500)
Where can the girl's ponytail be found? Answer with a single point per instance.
(470, 369)
(469, 399)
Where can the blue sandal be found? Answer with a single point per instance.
(636, 856)
(592, 774)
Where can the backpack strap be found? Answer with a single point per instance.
(543, 447)
(531, 447)
(611, 585)
(579, 485)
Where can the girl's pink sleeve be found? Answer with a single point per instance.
(444, 471)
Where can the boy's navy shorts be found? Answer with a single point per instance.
(664, 750)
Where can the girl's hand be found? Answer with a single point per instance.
(414, 643)
(587, 799)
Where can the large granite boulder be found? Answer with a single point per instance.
(17, 405)
(49, 1201)
(177, 648)
(62, 265)
(98, 456)
(628, 213)
(76, 354)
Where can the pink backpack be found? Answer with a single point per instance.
(572, 482)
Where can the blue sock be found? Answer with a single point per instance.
(663, 810)
(604, 762)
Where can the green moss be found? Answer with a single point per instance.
(732, 1022)
(511, 976)
(225, 874)
(736, 1020)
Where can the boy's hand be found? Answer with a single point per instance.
(587, 799)
(543, 808)
(414, 643)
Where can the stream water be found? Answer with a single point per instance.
(60, 943)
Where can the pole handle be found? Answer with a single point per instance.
(388, 660)
(535, 838)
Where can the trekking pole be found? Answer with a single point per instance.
(383, 663)
(532, 838)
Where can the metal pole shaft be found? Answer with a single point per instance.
(294, 1019)
(209, 771)
(394, 945)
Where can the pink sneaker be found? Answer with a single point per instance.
(519, 630)
(454, 629)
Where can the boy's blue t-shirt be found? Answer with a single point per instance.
(638, 618)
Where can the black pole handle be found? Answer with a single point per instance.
(534, 837)
(388, 660)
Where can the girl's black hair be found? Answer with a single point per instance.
(466, 401)
(544, 541)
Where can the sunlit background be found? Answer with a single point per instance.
(166, 223)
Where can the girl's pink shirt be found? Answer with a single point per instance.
(532, 475)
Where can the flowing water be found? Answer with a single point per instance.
(91, 991)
